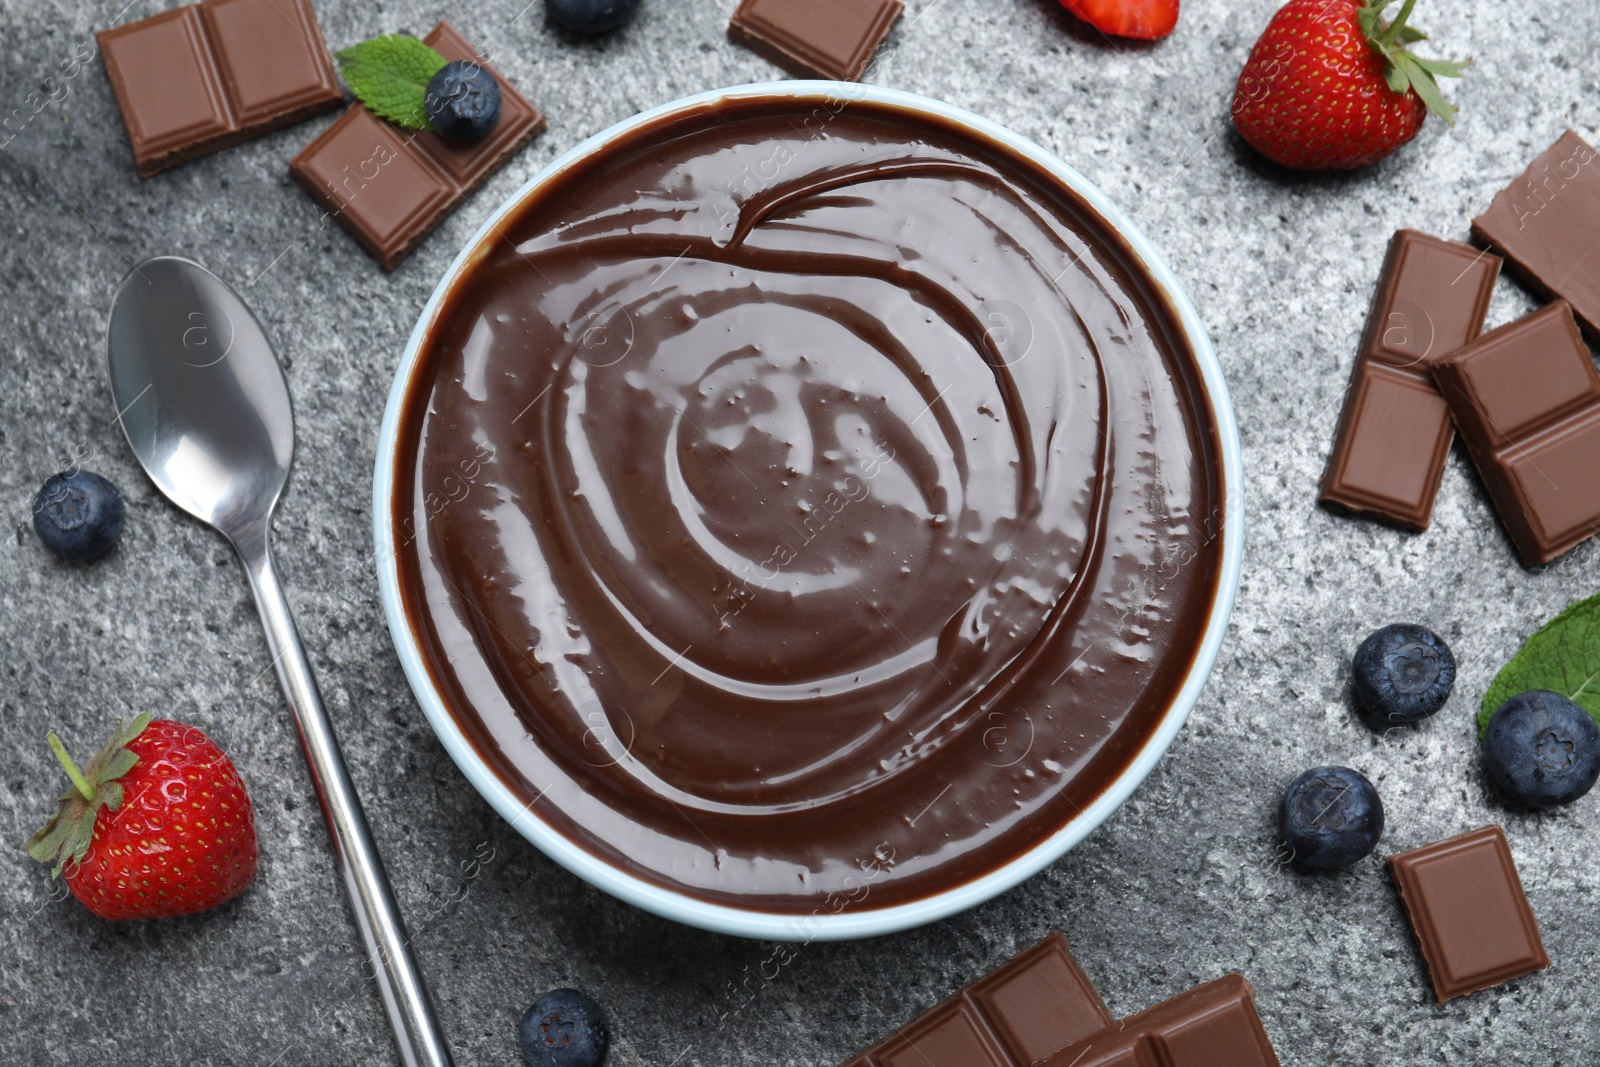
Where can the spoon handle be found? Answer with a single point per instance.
(405, 994)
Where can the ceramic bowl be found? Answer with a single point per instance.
(847, 923)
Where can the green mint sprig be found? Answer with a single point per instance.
(1562, 656)
(390, 75)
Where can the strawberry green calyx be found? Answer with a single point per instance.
(1403, 70)
(67, 836)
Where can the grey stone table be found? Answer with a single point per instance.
(1180, 886)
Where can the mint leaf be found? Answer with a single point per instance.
(1563, 656)
(390, 75)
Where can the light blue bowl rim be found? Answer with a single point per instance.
(849, 921)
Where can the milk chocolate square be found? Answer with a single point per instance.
(954, 1038)
(1031, 1005)
(815, 38)
(1211, 1025)
(1430, 300)
(197, 79)
(1039, 1001)
(272, 58)
(1520, 377)
(384, 194)
(1552, 479)
(470, 163)
(1393, 441)
(1394, 433)
(390, 187)
(1547, 224)
(1469, 912)
(1526, 399)
(166, 84)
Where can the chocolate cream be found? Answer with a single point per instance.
(807, 506)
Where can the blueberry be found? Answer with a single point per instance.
(592, 16)
(78, 515)
(1542, 749)
(1330, 817)
(564, 1028)
(1403, 673)
(463, 101)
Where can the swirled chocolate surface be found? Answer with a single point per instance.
(807, 505)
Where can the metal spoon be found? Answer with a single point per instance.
(206, 409)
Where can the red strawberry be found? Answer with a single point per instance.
(1144, 19)
(1329, 85)
(157, 825)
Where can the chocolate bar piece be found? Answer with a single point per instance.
(1394, 434)
(1212, 1025)
(815, 38)
(199, 78)
(1035, 1003)
(1547, 223)
(1526, 400)
(1469, 912)
(389, 187)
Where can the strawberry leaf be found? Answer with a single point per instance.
(69, 832)
(1397, 77)
(1367, 19)
(1425, 87)
(1403, 71)
(45, 845)
(1397, 27)
(1444, 68)
(120, 764)
(78, 843)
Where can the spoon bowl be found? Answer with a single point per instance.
(201, 397)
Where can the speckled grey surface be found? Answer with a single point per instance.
(1180, 886)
